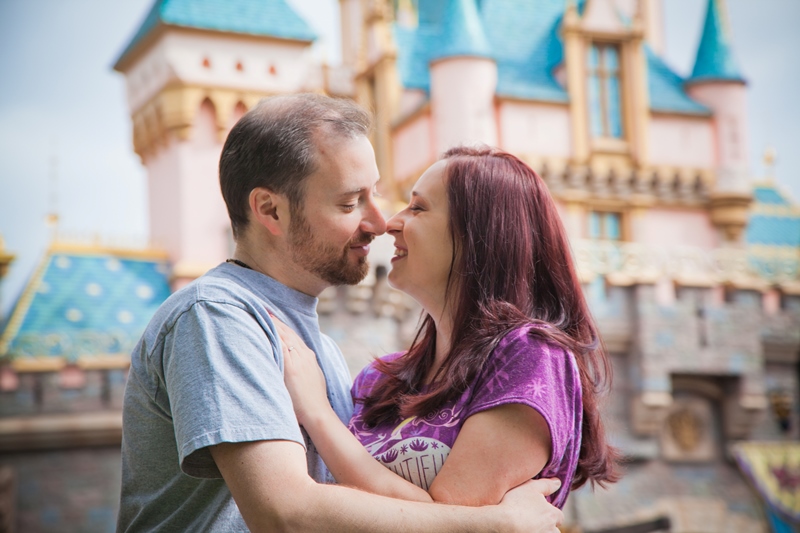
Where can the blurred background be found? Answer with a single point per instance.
(666, 129)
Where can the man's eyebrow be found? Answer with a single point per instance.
(356, 192)
(353, 192)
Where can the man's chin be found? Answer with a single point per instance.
(352, 274)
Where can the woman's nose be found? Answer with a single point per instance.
(395, 223)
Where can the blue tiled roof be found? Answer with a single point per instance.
(80, 305)
(461, 32)
(665, 89)
(774, 220)
(524, 38)
(527, 45)
(769, 195)
(714, 56)
(273, 18)
(773, 230)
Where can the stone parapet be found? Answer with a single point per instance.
(629, 263)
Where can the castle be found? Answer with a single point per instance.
(690, 263)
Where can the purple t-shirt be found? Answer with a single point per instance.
(523, 369)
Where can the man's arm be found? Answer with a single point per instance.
(273, 491)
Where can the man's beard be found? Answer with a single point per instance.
(324, 260)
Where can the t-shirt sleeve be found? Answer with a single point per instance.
(528, 370)
(224, 383)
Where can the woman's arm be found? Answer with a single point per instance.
(349, 462)
(495, 451)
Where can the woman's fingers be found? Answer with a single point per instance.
(290, 340)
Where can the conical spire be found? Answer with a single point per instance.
(462, 32)
(714, 55)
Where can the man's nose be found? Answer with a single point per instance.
(373, 221)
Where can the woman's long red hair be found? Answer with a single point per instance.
(511, 266)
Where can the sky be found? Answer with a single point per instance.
(65, 131)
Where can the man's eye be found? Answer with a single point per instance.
(349, 207)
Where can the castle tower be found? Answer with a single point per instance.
(191, 70)
(717, 83)
(373, 59)
(463, 76)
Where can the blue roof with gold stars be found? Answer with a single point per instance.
(773, 232)
(85, 304)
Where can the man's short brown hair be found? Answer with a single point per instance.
(273, 146)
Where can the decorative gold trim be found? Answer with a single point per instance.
(102, 250)
(729, 211)
(190, 270)
(119, 361)
(38, 364)
(773, 210)
(173, 110)
(44, 363)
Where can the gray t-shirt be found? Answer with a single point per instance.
(209, 369)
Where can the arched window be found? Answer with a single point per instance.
(605, 98)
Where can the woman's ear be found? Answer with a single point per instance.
(269, 209)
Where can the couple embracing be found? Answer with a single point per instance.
(239, 414)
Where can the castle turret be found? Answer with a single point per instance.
(463, 75)
(717, 82)
(191, 70)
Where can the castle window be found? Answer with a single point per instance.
(605, 225)
(605, 101)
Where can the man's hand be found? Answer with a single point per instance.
(528, 510)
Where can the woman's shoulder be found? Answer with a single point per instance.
(527, 350)
(371, 372)
(531, 337)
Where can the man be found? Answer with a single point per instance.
(210, 441)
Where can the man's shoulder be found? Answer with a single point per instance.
(210, 289)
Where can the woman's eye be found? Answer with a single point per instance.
(414, 207)
(349, 207)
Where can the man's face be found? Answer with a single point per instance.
(330, 233)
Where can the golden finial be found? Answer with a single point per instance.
(770, 155)
(52, 217)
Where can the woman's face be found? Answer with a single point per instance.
(423, 247)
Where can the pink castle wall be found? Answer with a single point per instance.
(462, 101)
(540, 129)
(193, 228)
(681, 141)
(666, 228)
(728, 101)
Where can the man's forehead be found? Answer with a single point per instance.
(345, 166)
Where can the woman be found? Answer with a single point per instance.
(502, 379)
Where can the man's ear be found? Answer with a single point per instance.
(269, 209)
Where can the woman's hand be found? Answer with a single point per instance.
(345, 457)
(303, 376)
